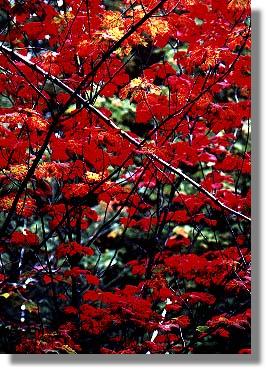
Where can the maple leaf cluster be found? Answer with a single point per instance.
(125, 176)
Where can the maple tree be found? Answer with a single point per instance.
(125, 176)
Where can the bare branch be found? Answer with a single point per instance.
(121, 132)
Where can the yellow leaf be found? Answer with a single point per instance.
(158, 26)
(70, 109)
(93, 177)
(116, 232)
(68, 349)
(180, 232)
(5, 295)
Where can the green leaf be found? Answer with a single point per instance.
(202, 328)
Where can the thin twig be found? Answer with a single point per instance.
(122, 133)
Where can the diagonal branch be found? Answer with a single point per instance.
(116, 45)
(122, 133)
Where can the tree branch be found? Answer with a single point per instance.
(121, 132)
(116, 45)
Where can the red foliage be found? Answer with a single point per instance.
(125, 176)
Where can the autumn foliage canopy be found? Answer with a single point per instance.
(125, 176)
